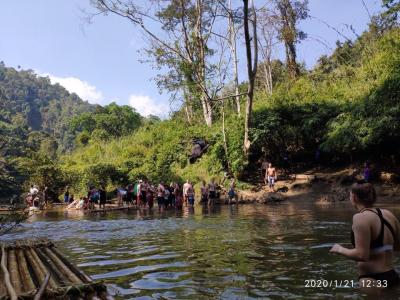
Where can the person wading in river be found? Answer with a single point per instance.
(190, 194)
(178, 197)
(375, 234)
(186, 186)
(103, 197)
(212, 192)
(204, 193)
(160, 196)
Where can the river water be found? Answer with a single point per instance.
(226, 252)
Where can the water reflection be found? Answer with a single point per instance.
(226, 252)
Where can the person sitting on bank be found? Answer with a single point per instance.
(74, 203)
(375, 235)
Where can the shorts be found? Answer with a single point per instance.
(231, 194)
(191, 200)
(160, 201)
(102, 201)
(204, 198)
(212, 194)
(271, 181)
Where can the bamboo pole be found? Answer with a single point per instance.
(14, 272)
(39, 268)
(52, 268)
(43, 286)
(27, 282)
(62, 267)
(10, 288)
(3, 289)
(85, 278)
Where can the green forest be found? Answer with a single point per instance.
(347, 108)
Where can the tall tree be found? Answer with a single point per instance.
(179, 39)
(291, 12)
(252, 62)
(232, 44)
(267, 25)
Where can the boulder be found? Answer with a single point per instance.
(272, 198)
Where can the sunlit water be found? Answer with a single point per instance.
(226, 252)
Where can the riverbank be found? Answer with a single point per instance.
(322, 186)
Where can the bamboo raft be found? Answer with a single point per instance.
(37, 270)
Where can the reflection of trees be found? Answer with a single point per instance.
(252, 248)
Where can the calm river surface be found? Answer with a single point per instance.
(225, 252)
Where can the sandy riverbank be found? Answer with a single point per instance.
(323, 186)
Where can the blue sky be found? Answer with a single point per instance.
(100, 61)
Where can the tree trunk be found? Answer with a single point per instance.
(288, 16)
(251, 70)
(293, 69)
(201, 68)
(224, 136)
(266, 82)
(187, 106)
(232, 44)
(207, 114)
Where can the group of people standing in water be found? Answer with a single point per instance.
(144, 194)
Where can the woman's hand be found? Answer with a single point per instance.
(336, 249)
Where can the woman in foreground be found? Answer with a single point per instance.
(375, 235)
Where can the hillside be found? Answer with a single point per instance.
(34, 118)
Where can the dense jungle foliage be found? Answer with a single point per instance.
(40, 121)
(34, 123)
(346, 109)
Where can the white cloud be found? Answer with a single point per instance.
(80, 87)
(147, 106)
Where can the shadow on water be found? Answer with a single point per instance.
(226, 252)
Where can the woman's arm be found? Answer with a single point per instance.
(362, 236)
